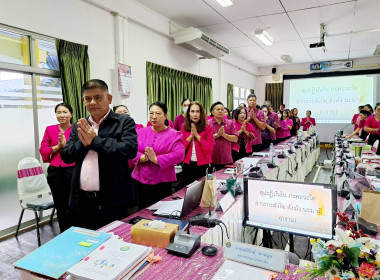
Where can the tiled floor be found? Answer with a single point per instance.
(13, 249)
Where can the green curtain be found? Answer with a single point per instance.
(252, 91)
(230, 96)
(171, 86)
(74, 65)
(274, 93)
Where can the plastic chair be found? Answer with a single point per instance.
(33, 191)
(375, 146)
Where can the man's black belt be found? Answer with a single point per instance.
(90, 194)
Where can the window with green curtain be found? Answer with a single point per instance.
(74, 65)
(230, 96)
(274, 93)
(171, 86)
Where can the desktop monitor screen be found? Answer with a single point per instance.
(297, 208)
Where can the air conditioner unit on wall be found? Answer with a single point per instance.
(194, 40)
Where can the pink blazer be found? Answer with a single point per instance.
(203, 149)
(307, 125)
(49, 140)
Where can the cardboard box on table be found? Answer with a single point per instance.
(142, 234)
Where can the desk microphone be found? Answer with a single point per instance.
(255, 171)
(238, 190)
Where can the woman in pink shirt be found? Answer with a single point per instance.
(180, 119)
(372, 126)
(243, 147)
(160, 148)
(199, 143)
(308, 121)
(224, 134)
(59, 173)
(355, 118)
(286, 125)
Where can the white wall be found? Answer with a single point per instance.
(137, 35)
(70, 20)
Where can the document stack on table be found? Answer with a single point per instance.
(114, 259)
(55, 257)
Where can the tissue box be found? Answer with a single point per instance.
(156, 237)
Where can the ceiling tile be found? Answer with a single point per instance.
(292, 48)
(363, 41)
(250, 52)
(280, 27)
(329, 56)
(292, 5)
(227, 35)
(265, 61)
(337, 18)
(184, 12)
(242, 9)
(367, 9)
(361, 54)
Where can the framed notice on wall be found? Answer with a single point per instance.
(125, 79)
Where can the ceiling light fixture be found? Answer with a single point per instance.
(264, 37)
(225, 3)
(377, 50)
(286, 58)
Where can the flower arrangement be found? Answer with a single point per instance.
(352, 256)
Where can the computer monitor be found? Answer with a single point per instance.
(297, 208)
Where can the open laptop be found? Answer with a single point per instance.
(191, 201)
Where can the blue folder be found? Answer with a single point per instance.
(55, 257)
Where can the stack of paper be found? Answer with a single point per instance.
(54, 258)
(115, 259)
(168, 208)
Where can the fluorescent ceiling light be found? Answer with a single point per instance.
(264, 37)
(377, 50)
(225, 3)
(286, 58)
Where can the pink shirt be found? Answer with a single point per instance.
(284, 130)
(222, 150)
(355, 121)
(170, 124)
(203, 149)
(307, 125)
(248, 140)
(169, 149)
(372, 123)
(89, 173)
(50, 140)
(260, 116)
(178, 122)
(274, 116)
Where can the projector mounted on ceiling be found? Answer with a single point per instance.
(194, 40)
(321, 43)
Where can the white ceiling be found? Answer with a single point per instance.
(352, 26)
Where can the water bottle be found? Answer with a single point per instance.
(271, 150)
(351, 168)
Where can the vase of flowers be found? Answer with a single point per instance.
(352, 256)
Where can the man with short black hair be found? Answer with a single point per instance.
(257, 119)
(101, 146)
(282, 107)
